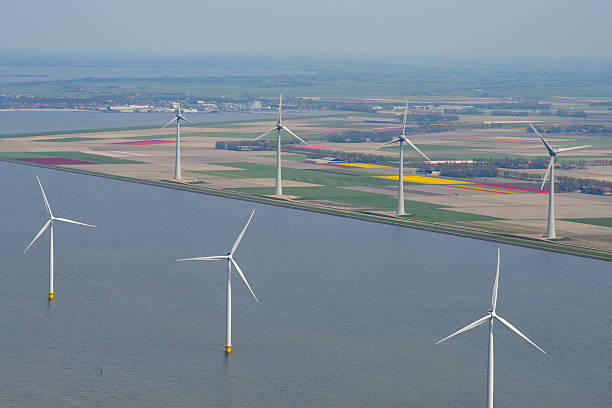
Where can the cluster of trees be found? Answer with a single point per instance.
(340, 105)
(360, 136)
(246, 145)
(561, 113)
(564, 183)
(424, 119)
(526, 105)
(517, 162)
(508, 113)
(464, 111)
(597, 190)
(468, 170)
(382, 136)
(574, 128)
(534, 163)
(572, 113)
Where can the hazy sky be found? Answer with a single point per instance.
(436, 27)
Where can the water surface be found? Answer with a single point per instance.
(349, 313)
(12, 122)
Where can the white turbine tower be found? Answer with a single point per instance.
(178, 117)
(48, 224)
(230, 261)
(401, 139)
(550, 229)
(490, 317)
(278, 190)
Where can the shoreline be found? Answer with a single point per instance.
(45, 110)
(465, 232)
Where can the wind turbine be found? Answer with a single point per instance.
(401, 139)
(550, 230)
(48, 224)
(490, 317)
(278, 190)
(178, 117)
(230, 261)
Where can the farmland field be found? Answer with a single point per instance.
(482, 205)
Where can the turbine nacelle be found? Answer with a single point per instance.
(279, 125)
(52, 218)
(552, 152)
(493, 315)
(178, 116)
(403, 139)
(230, 257)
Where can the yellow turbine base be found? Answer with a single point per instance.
(228, 349)
(50, 295)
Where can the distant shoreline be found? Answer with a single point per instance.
(45, 110)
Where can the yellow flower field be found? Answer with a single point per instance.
(426, 180)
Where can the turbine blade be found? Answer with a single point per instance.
(565, 149)
(387, 144)
(404, 123)
(38, 235)
(244, 279)
(185, 119)
(204, 258)
(241, 234)
(548, 147)
(514, 329)
(74, 222)
(264, 134)
(294, 135)
(416, 148)
(495, 285)
(466, 328)
(42, 190)
(550, 164)
(171, 120)
(280, 108)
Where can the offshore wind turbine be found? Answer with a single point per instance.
(178, 117)
(230, 261)
(48, 224)
(550, 229)
(278, 190)
(491, 317)
(402, 139)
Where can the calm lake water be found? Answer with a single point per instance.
(46, 121)
(349, 311)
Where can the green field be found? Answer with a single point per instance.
(70, 139)
(602, 222)
(418, 210)
(292, 156)
(331, 179)
(98, 159)
(332, 188)
(72, 132)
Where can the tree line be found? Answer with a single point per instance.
(564, 183)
